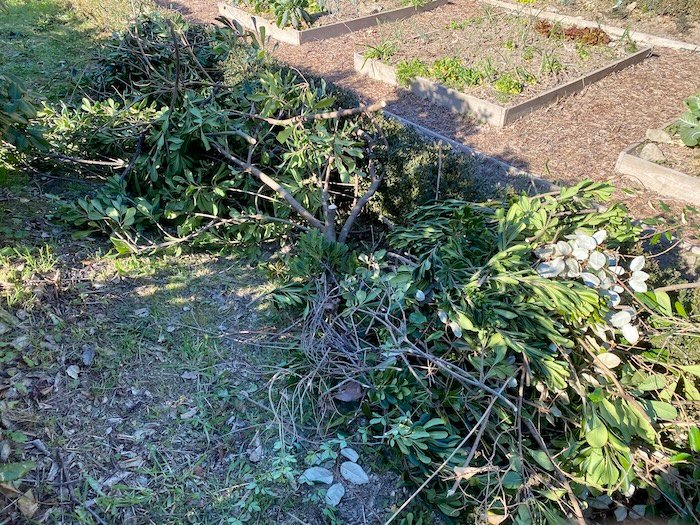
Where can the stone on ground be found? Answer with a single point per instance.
(652, 153)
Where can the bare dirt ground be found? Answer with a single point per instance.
(579, 137)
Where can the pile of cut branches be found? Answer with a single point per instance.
(514, 358)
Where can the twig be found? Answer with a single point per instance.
(675, 287)
(478, 425)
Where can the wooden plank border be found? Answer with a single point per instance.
(660, 179)
(297, 37)
(484, 110)
(644, 38)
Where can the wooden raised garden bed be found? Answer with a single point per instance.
(298, 37)
(667, 166)
(656, 30)
(493, 65)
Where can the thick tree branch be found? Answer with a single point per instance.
(374, 186)
(271, 183)
(340, 113)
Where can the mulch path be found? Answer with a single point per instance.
(579, 137)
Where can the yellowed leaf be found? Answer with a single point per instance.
(27, 504)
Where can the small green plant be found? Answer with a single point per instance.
(528, 53)
(509, 45)
(628, 42)
(407, 70)
(582, 51)
(689, 123)
(382, 51)
(507, 84)
(292, 12)
(550, 64)
(453, 73)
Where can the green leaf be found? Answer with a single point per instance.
(284, 135)
(14, 471)
(542, 459)
(694, 439)
(596, 433)
(660, 410)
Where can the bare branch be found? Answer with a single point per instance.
(272, 184)
(376, 182)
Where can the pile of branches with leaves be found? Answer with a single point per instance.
(200, 138)
(513, 358)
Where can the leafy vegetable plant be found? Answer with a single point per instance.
(689, 123)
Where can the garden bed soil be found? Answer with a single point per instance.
(636, 19)
(349, 17)
(494, 44)
(681, 158)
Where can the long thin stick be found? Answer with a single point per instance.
(452, 454)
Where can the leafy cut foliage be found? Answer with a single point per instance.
(509, 391)
(209, 140)
(17, 110)
(689, 123)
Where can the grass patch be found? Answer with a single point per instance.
(46, 43)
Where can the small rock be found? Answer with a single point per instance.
(73, 371)
(142, 312)
(631, 7)
(189, 375)
(659, 136)
(334, 494)
(370, 9)
(652, 153)
(350, 454)
(4, 451)
(318, 475)
(354, 473)
(88, 355)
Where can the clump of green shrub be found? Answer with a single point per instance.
(417, 172)
(17, 112)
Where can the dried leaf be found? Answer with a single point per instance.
(350, 391)
(27, 504)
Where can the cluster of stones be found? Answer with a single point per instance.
(350, 471)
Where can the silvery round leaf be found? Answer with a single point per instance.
(544, 252)
(637, 263)
(617, 288)
(586, 241)
(580, 254)
(420, 296)
(552, 268)
(600, 236)
(590, 280)
(573, 267)
(630, 333)
(620, 319)
(617, 270)
(563, 248)
(442, 315)
(597, 260)
(609, 359)
(612, 297)
(605, 282)
(456, 329)
(637, 286)
(638, 275)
